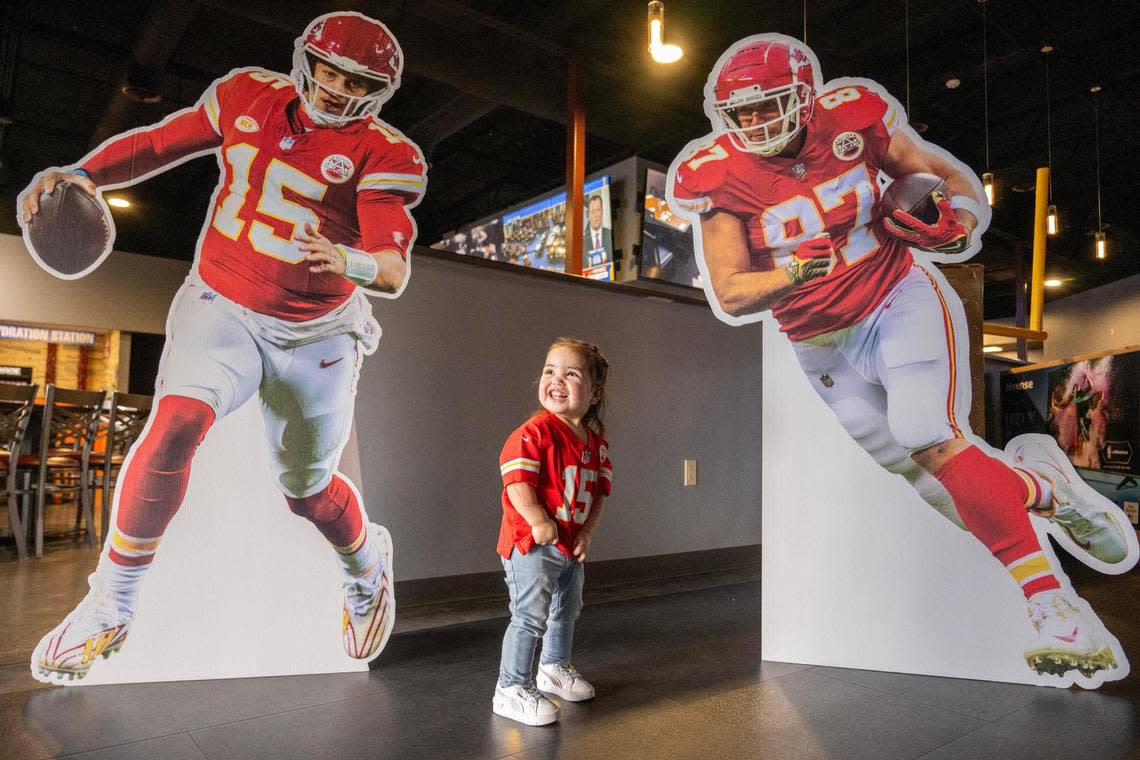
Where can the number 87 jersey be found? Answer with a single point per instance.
(828, 186)
(280, 171)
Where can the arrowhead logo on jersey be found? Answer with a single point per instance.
(246, 124)
(848, 146)
(337, 168)
(603, 452)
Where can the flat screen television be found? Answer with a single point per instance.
(667, 251)
(534, 234)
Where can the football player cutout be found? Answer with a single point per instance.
(785, 196)
(311, 211)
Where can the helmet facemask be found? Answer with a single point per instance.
(355, 106)
(792, 108)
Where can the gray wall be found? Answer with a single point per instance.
(455, 374)
(128, 292)
(1100, 319)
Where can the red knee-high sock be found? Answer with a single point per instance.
(152, 487)
(334, 511)
(991, 498)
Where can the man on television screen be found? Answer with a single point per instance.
(599, 239)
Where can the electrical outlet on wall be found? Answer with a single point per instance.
(690, 472)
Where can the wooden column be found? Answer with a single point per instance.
(575, 165)
(49, 364)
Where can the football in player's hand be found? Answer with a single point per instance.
(912, 193)
(71, 233)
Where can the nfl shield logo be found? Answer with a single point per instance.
(799, 171)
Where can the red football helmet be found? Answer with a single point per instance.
(357, 45)
(769, 80)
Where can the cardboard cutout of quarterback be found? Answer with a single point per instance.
(787, 195)
(311, 210)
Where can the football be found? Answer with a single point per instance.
(71, 233)
(911, 193)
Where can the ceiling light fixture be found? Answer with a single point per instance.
(1100, 245)
(118, 202)
(1052, 220)
(953, 83)
(992, 349)
(1052, 282)
(987, 175)
(660, 52)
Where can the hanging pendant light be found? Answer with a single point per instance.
(660, 52)
(1100, 245)
(1052, 218)
(988, 184)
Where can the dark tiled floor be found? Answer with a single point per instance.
(678, 676)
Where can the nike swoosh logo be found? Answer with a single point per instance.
(325, 363)
(1070, 638)
(526, 437)
(416, 160)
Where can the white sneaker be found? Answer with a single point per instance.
(524, 704)
(1066, 638)
(1088, 526)
(370, 603)
(564, 681)
(95, 627)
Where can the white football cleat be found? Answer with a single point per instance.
(1087, 525)
(564, 681)
(95, 627)
(370, 603)
(524, 704)
(1066, 638)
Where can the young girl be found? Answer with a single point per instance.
(556, 476)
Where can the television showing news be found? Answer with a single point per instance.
(666, 239)
(534, 234)
(484, 239)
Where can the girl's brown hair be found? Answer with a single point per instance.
(598, 369)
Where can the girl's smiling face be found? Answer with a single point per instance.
(564, 388)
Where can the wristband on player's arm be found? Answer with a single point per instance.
(81, 172)
(359, 267)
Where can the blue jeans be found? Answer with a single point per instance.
(546, 597)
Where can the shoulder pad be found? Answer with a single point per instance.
(856, 106)
(703, 170)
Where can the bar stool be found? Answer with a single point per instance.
(71, 420)
(125, 420)
(16, 404)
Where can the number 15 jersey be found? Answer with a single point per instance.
(830, 187)
(565, 472)
(279, 172)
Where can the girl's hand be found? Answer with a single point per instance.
(545, 533)
(582, 545)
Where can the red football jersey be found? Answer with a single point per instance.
(279, 172)
(829, 186)
(564, 472)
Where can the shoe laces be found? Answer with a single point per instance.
(564, 671)
(99, 604)
(360, 591)
(1052, 608)
(1073, 519)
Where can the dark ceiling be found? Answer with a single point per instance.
(484, 95)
